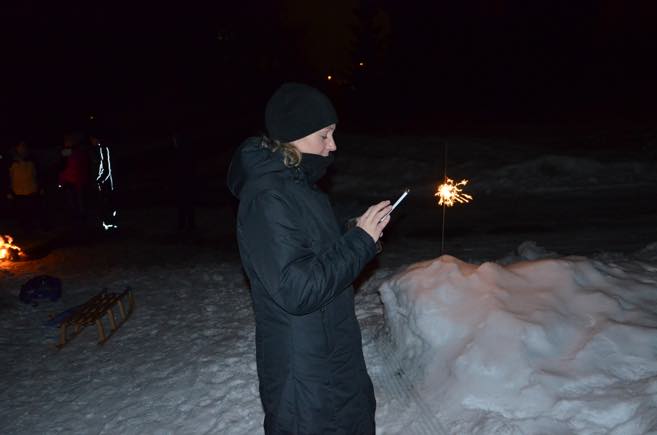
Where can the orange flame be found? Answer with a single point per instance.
(7, 248)
(450, 193)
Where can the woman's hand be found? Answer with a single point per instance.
(371, 221)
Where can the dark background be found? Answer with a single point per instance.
(140, 67)
(504, 82)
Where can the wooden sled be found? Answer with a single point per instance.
(93, 311)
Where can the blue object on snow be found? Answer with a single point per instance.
(39, 288)
(58, 319)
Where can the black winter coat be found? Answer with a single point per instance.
(309, 353)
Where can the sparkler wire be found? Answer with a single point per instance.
(442, 237)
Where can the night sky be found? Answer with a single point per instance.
(143, 67)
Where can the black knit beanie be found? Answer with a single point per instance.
(297, 110)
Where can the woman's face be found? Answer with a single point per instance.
(320, 142)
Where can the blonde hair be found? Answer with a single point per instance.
(291, 154)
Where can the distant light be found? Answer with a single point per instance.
(361, 63)
(92, 117)
(329, 77)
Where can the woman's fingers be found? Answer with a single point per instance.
(382, 224)
(383, 212)
(372, 210)
(376, 209)
(381, 205)
(375, 219)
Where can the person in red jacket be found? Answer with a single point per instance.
(74, 177)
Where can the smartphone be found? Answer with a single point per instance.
(399, 200)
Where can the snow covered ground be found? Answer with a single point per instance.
(182, 364)
(498, 337)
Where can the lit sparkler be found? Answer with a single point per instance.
(7, 248)
(450, 193)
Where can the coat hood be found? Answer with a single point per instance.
(252, 162)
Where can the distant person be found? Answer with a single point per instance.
(311, 368)
(24, 191)
(75, 176)
(5, 184)
(105, 185)
(185, 180)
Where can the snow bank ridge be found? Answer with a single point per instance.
(556, 173)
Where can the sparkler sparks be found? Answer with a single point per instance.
(450, 193)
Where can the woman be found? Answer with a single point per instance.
(311, 369)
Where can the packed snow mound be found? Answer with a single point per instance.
(556, 345)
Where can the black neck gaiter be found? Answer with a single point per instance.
(315, 166)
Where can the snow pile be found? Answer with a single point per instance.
(558, 345)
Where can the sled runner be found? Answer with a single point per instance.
(93, 311)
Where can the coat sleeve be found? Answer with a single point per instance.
(280, 254)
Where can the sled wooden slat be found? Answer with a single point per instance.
(92, 312)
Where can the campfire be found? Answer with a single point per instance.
(9, 251)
